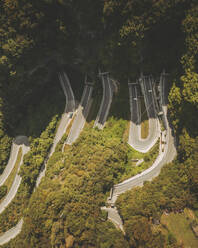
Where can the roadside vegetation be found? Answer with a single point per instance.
(80, 180)
(29, 171)
(5, 141)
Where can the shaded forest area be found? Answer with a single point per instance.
(124, 37)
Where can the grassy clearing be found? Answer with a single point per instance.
(8, 183)
(144, 129)
(144, 121)
(178, 225)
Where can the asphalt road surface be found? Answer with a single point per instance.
(81, 115)
(147, 90)
(106, 101)
(114, 216)
(65, 83)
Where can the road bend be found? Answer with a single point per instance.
(107, 97)
(19, 141)
(146, 84)
(16, 183)
(135, 140)
(11, 233)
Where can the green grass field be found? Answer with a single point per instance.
(179, 226)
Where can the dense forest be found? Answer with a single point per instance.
(124, 37)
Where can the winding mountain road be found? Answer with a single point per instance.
(164, 157)
(107, 97)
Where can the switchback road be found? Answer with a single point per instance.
(16, 183)
(165, 156)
